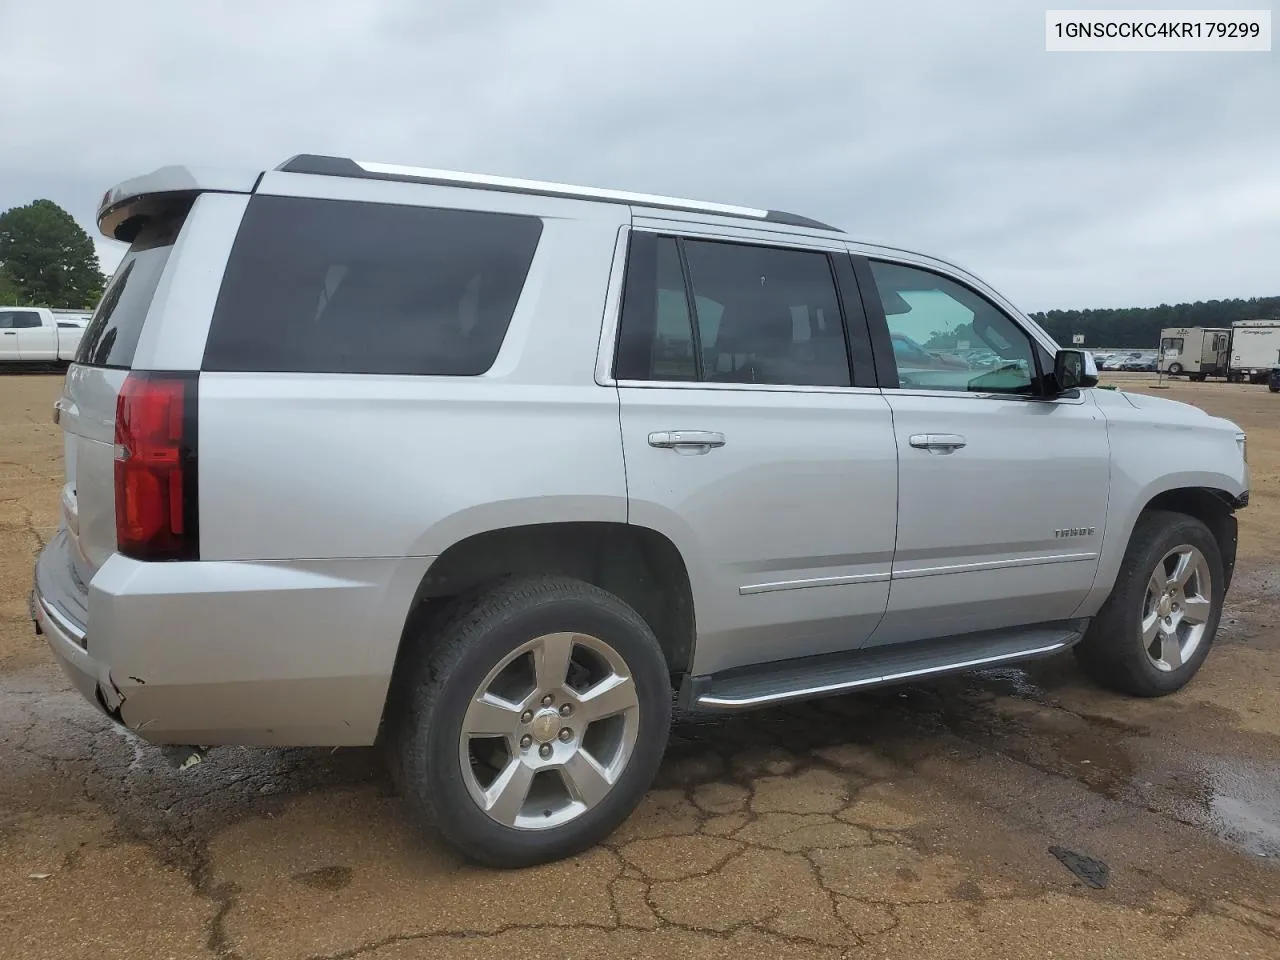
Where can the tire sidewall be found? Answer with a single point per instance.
(434, 762)
(1184, 530)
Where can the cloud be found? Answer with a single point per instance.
(1063, 179)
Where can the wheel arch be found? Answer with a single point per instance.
(640, 566)
(1200, 496)
(1213, 507)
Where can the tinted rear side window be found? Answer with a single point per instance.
(111, 336)
(336, 286)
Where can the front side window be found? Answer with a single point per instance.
(947, 337)
(1172, 343)
(760, 315)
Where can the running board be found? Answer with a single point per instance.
(830, 674)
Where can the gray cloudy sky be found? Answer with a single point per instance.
(1063, 179)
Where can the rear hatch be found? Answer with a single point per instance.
(87, 407)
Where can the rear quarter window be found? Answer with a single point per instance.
(111, 336)
(336, 286)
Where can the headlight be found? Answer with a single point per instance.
(1242, 442)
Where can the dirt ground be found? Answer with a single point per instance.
(913, 822)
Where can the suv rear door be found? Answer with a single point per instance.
(37, 339)
(755, 438)
(8, 336)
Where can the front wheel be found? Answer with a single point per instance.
(533, 722)
(1155, 630)
(1175, 369)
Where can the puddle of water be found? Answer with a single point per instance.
(1240, 802)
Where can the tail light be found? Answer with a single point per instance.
(155, 467)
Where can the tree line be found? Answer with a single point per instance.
(1141, 326)
(47, 260)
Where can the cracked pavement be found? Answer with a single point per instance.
(907, 822)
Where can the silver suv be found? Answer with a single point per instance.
(491, 471)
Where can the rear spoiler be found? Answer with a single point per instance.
(128, 205)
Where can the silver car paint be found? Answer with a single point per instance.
(784, 529)
(87, 416)
(1142, 430)
(325, 498)
(976, 546)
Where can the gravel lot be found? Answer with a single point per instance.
(914, 822)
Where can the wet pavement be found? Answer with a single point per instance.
(910, 822)
(915, 820)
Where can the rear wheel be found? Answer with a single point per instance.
(534, 721)
(1155, 630)
(1175, 369)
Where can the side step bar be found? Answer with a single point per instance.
(830, 674)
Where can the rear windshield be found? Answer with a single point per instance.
(336, 286)
(111, 336)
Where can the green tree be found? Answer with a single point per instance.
(48, 257)
(10, 295)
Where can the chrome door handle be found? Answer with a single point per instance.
(675, 439)
(942, 442)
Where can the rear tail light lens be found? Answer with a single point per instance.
(155, 467)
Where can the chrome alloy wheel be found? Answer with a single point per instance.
(549, 731)
(1175, 611)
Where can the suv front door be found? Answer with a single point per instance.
(1002, 493)
(755, 440)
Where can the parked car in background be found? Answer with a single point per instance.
(489, 471)
(913, 355)
(1118, 361)
(35, 335)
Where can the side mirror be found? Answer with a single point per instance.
(1073, 370)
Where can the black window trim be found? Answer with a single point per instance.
(691, 305)
(887, 364)
(859, 355)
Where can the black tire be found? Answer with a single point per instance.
(1112, 651)
(1196, 377)
(1273, 389)
(433, 693)
(1175, 369)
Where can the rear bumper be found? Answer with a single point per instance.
(284, 653)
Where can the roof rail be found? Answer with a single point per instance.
(344, 167)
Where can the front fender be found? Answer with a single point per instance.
(1157, 450)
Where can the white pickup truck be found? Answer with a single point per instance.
(38, 335)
